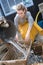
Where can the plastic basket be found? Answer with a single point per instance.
(14, 56)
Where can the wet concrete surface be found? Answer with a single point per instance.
(34, 59)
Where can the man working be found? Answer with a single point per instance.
(21, 17)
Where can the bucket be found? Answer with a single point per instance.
(36, 28)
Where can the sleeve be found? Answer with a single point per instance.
(16, 21)
(30, 19)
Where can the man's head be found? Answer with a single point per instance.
(21, 10)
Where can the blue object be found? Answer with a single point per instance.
(40, 23)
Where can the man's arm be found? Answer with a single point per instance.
(16, 24)
(30, 20)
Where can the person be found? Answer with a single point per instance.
(21, 16)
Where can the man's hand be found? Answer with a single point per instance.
(27, 40)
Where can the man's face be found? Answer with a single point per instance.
(21, 13)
